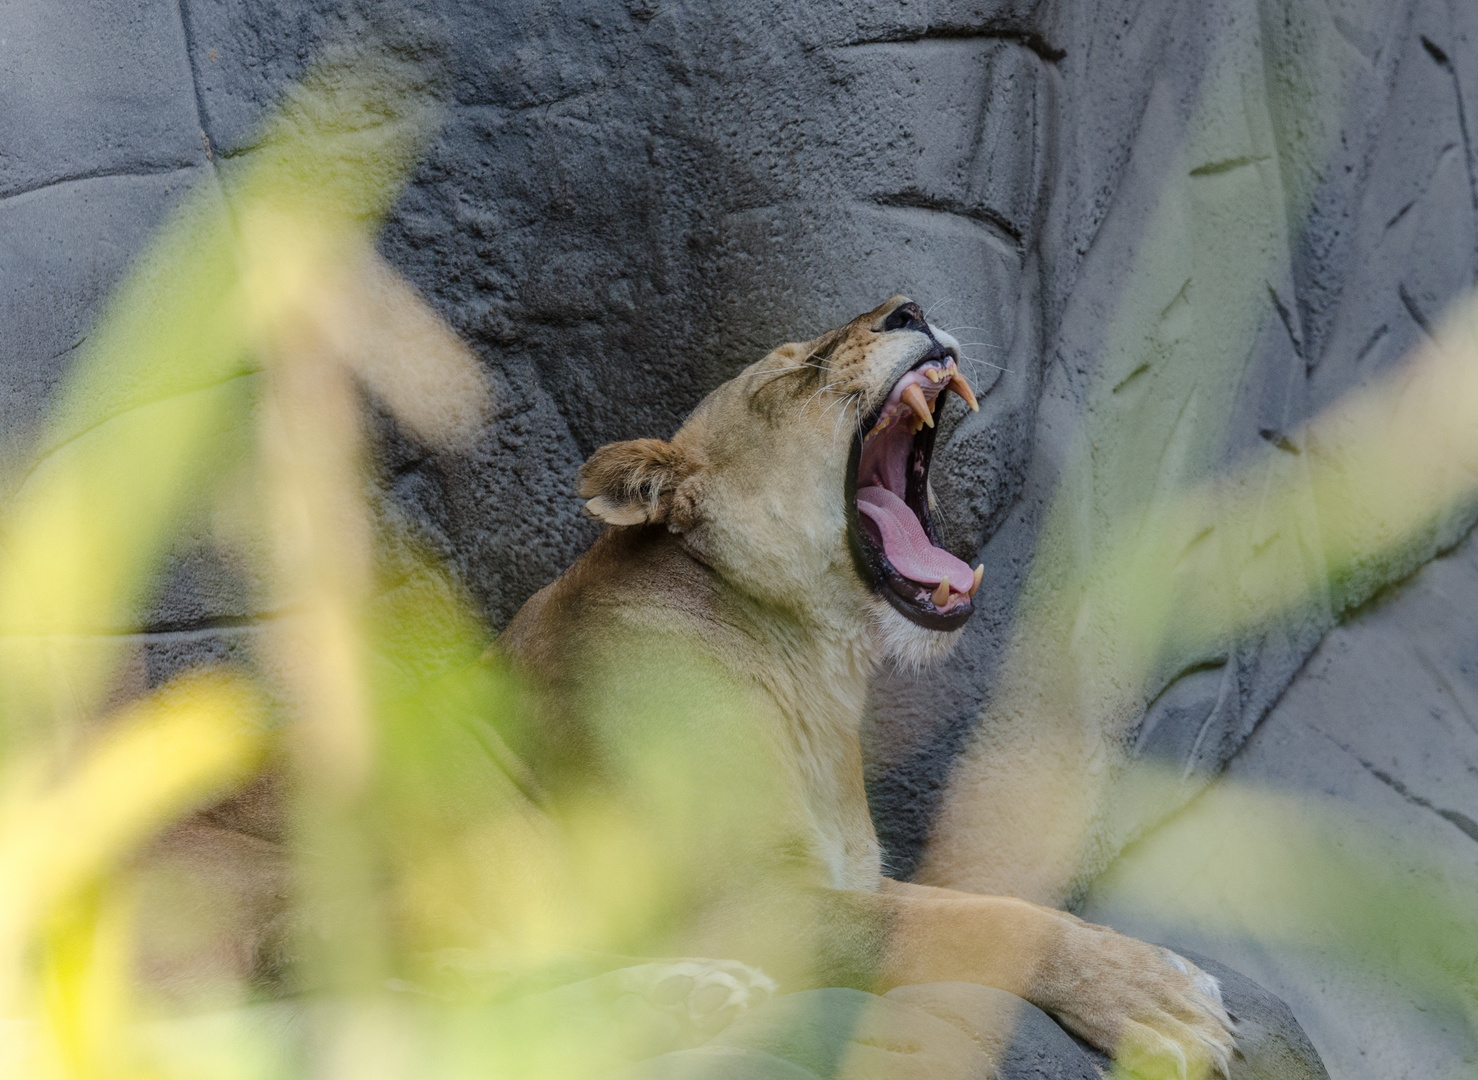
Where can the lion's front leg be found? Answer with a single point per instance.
(1151, 1009)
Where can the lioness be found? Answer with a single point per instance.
(784, 536)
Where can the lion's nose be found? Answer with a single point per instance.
(907, 316)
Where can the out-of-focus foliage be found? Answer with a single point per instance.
(443, 920)
(446, 920)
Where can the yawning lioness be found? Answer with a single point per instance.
(784, 537)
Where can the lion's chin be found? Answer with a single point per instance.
(904, 642)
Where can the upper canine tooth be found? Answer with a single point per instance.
(979, 574)
(941, 594)
(913, 397)
(958, 384)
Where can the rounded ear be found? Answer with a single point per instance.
(632, 483)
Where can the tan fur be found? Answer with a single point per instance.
(633, 482)
(730, 541)
(213, 899)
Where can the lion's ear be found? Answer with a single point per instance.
(632, 483)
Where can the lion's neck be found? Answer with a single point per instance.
(818, 673)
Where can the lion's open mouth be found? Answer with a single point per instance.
(897, 545)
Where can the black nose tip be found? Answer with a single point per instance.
(907, 316)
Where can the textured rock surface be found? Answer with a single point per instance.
(1181, 228)
(1378, 735)
(1270, 1043)
(1261, 158)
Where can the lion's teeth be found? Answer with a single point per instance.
(979, 574)
(958, 384)
(941, 594)
(913, 397)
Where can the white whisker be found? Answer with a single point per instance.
(783, 370)
(837, 427)
(839, 401)
(983, 363)
(823, 390)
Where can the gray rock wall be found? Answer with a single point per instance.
(1292, 211)
(1371, 756)
(1182, 226)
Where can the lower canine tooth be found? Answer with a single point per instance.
(979, 574)
(913, 397)
(941, 594)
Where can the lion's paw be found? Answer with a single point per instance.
(1152, 1009)
(709, 994)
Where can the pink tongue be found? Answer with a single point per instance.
(906, 544)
